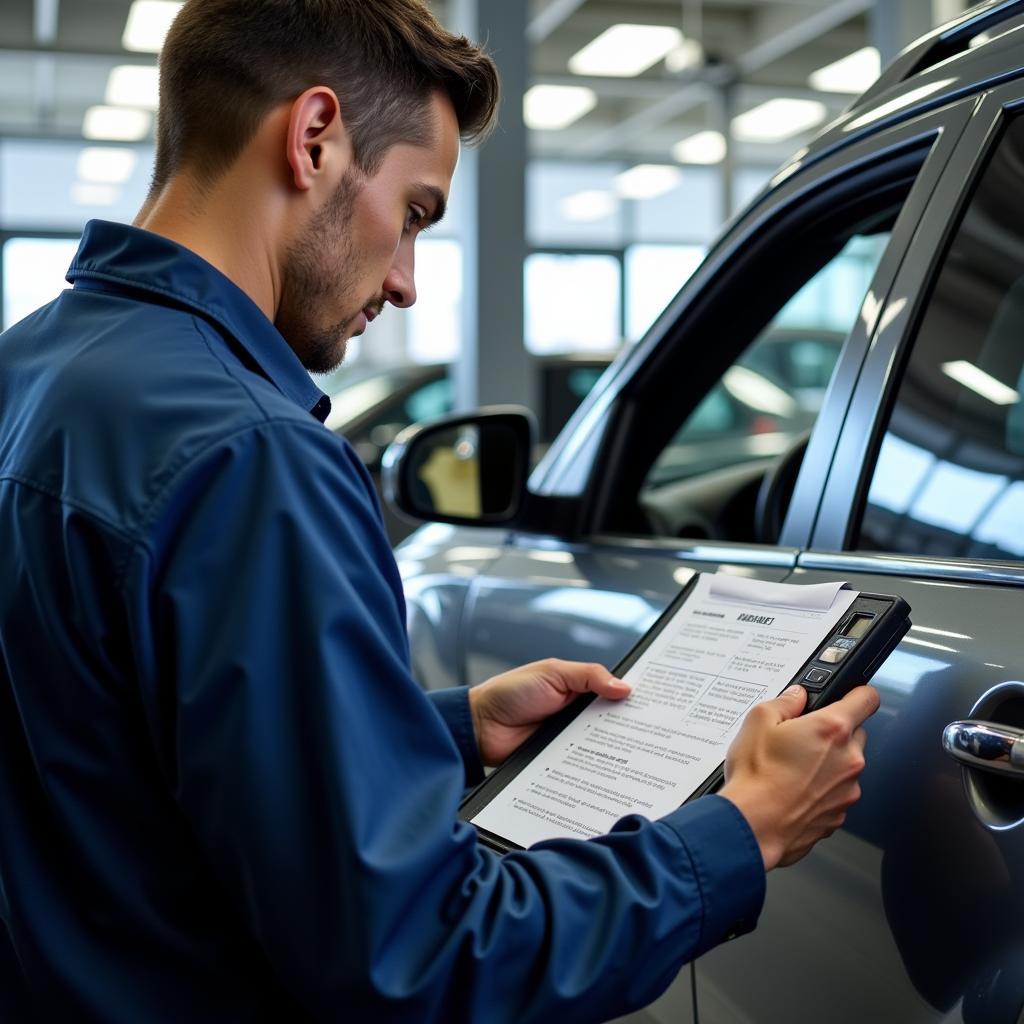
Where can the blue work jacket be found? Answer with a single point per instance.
(223, 797)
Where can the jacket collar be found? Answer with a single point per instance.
(117, 257)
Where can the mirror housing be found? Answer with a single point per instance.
(467, 469)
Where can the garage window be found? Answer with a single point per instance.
(949, 476)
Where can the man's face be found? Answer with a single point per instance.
(357, 254)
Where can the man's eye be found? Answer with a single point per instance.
(415, 218)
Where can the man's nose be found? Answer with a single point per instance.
(400, 284)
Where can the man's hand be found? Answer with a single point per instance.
(794, 778)
(508, 708)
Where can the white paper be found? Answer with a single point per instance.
(816, 597)
(726, 650)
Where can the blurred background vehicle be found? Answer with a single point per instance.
(372, 408)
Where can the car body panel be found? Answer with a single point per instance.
(589, 602)
(915, 902)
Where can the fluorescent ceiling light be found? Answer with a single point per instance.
(123, 124)
(593, 204)
(645, 181)
(133, 85)
(85, 194)
(758, 392)
(551, 107)
(688, 54)
(625, 50)
(853, 74)
(702, 148)
(777, 120)
(980, 382)
(106, 164)
(148, 22)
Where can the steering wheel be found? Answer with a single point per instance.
(776, 490)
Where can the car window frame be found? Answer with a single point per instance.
(583, 453)
(844, 494)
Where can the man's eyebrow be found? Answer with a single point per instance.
(440, 204)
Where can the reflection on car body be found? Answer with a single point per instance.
(903, 473)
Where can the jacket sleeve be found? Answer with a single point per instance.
(322, 784)
(453, 706)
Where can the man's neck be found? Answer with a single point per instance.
(225, 227)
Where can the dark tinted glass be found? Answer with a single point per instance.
(949, 480)
(563, 386)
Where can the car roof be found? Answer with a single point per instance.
(975, 51)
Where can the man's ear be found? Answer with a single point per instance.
(317, 144)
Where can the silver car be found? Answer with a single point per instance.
(904, 475)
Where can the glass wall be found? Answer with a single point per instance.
(33, 274)
(604, 260)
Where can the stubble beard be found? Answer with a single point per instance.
(317, 269)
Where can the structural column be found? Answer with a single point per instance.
(490, 187)
(897, 23)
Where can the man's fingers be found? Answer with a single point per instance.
(858, 705)
(859, 739)
(790, 703)
(589, 677)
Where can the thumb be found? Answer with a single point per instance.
(791, 702)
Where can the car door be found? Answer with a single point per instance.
(911, 912)
(659, 473)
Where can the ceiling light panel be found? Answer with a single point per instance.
(133, 85)
(106, 165)
(702, 148)
(852, 74)
(625, 50)
(645, 181)
(118, 124)
(148, 23)
(552, 107)
(778, 119)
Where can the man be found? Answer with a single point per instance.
(223, 797)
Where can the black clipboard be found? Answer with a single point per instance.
(887, 619)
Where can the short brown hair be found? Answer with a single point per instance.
(227, 63)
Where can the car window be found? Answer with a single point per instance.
(772, 394)
(949, 476)
(709, 432)
(430, 401)
(563, 386)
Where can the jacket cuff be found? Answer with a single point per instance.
(453, 705)
(727, 864)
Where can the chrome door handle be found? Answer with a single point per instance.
(986, 745)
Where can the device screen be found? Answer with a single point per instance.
(857, 626)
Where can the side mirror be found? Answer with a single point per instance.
(466, 469)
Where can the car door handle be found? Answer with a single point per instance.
(986, 745)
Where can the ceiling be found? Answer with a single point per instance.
(55, 56)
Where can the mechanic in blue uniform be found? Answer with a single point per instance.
(222, 795)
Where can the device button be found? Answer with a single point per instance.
(833, 655)
(816, 678)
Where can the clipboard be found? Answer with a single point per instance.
(848, 654)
